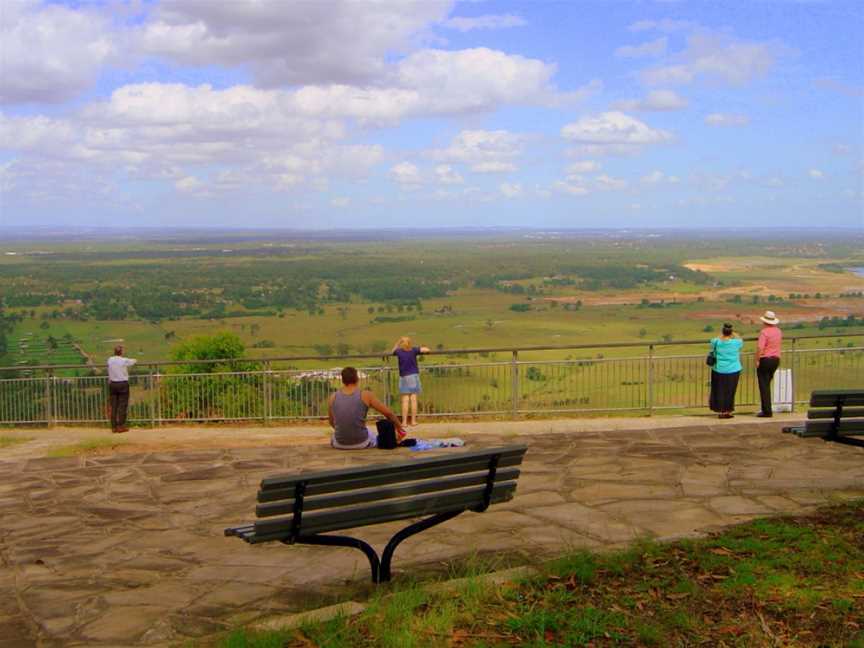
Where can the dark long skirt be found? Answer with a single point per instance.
(723, 388)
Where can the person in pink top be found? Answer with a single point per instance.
(767, 359)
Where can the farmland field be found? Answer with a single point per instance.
(336, 297)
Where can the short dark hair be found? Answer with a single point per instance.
(349, 376)
(118, 350)
(727, 329)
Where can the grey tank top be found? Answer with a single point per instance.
(349, 414)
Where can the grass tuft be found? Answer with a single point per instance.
(89, 446)
(9, 441)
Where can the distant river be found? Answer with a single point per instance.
(858, 271)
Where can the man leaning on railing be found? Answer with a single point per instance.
(118, 388)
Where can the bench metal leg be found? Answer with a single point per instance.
(846, 440)
(345, 541)
(407, 532)
(380, 567)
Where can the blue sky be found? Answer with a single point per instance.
(441, 113)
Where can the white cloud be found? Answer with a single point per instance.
(645, 50)
(583, 166)
(475, 79)
(511, 190)
(50, 53)
(576, 183)
(339, 41)
(727, 119)
(613, 133)
(189, 184)
(654, 101)
(488, 21)
(483, 151)
(668, 75)
(658, 177)
(608, 183)
(665, 25)
(226, 140)
(716, 56)
(406, 174)
(439, 82)
(721, 182)
(816, 174)
(448, 175)
(574, 189)
(494, 167)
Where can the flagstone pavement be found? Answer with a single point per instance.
(127, 548)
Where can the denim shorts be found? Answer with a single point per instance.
(409, 384)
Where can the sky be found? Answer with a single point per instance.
(442, 113)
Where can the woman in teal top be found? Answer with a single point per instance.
(726, 372)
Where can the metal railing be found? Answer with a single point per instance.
(260, 391)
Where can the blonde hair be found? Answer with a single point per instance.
(405, 343)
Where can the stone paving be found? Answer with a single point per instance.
(127, 549)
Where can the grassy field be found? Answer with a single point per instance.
(479, 319)
(470, 306)
(36, 345)
(773, 582)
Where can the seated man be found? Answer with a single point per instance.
(347, 413)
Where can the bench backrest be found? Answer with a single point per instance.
(317, 502)
(837, 411)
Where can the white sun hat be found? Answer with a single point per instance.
(770, 318)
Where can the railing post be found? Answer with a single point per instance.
(268, 396)
(385, 370)
(49, 391)
(158, 404)
(153, 396)
(649, 396)
(794, 371)
(514, 382)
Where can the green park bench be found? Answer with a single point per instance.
(837, 415)
(303, 507)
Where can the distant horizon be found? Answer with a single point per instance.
(420, 228)
(12, 237)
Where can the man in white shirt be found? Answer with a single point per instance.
(118, 388)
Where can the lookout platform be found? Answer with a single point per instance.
(124, 545)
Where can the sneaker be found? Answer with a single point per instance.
(764, 415)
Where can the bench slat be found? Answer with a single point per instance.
(848, 412)
(314, 503)
(411, 471)
(830, 397)
(417, 506)
(399, 471)
(851, 427)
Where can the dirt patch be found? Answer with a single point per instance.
(751, 315)
(714, 267)
(626, 299)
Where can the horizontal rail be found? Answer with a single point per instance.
(441, 352)
(509, 387)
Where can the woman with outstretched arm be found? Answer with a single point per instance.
(409, 376)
